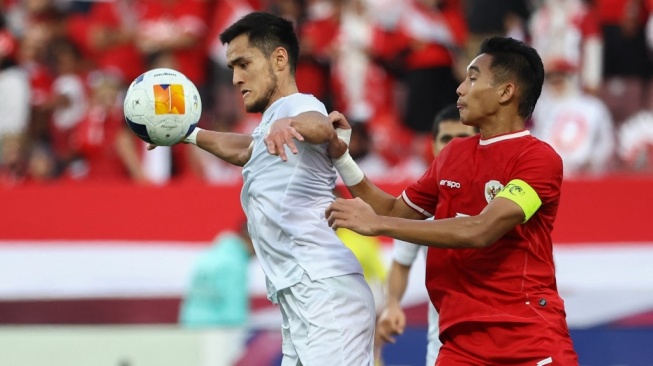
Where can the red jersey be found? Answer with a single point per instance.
(512, 280)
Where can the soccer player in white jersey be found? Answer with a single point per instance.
(446, 126)
(326, 305)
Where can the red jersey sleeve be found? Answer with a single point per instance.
(422, 196)
(541, 167)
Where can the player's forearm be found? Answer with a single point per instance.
(233, 148)
(381, 202)
(397, 283)
(314, 127)
(460, 232)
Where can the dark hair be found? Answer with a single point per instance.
(266, 32)
(448, 113)
(514, 59)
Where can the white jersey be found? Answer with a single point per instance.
(405, 254)
(285, 204)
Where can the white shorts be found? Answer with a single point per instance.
(328, 322)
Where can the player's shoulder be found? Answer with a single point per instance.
(298, 103)
(538, 150)
(301, 98)
(542, 147)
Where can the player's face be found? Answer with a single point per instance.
(478, 97)
(253, 74)
(447, 131)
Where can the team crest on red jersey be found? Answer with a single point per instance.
(492, 188)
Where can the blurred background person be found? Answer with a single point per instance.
(363, 150)
(577, 125)
(217, 296)
(67, 103)
(424, 40)
(635, 142)
(15, 93)
(627, 60)
(179, 28)
(569, 30)
(111, 34)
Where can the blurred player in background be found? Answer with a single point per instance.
(446, 126)
(326, 305)
(217, 297)
(490, 270)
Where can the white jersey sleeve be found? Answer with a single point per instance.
(404, 252)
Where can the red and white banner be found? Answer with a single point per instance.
(123, 254)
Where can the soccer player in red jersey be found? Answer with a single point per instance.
(490, 270)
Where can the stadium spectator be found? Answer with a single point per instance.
(635, 141)
(424, 38)
(576, 124)
(317, 34)
(180, 28)
(490, 271)
(326, 305)
(111, 35)
(15, 107)
(569, 30)
(31, 58)
(392, 321)
(628, 64)
(109, 149)
(68, 104)
(363, 151)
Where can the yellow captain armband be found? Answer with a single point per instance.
(522, 194)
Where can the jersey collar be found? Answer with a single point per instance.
(508, 136)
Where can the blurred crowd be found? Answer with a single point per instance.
(389, 65)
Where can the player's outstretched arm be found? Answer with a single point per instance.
(483, 230)
(355, 180)
(393, 320)
(312, 127)
(234, 148)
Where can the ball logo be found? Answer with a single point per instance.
(169, 99)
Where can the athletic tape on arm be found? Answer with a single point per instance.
(349, 171)
(192, 138)
(344, 134)
(522, 194)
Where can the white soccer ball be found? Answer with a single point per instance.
(162, 106)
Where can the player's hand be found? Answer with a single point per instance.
(391, 323)
(353, 214)
(282, 133)
(340, 141)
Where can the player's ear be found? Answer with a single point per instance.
(280, 58)
(506, 92)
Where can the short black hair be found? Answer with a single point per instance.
(448, 113)
(266, 32)
(512, 58)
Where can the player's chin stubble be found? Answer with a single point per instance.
(261, 104)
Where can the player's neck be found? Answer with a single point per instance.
(501, 124)
(284, 89)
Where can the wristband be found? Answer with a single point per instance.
(192, 138)
(349, 171)
(344, 134)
